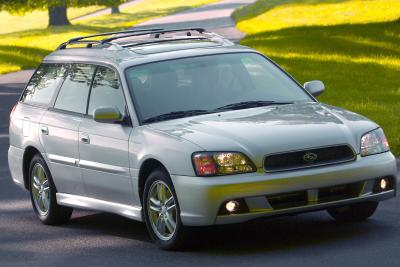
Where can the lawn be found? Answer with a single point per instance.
(24, 44)
(353, 46)
(37, 19)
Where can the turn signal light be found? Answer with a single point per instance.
(205, 165)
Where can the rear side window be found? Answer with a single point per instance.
(106, 91)
(74, 92)
(43, 84)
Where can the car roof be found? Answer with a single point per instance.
(125, 54)
(130, 57)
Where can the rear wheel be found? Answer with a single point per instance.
(43, 194)
(161, 211)
(354, 213)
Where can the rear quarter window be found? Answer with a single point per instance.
(43, 84)
(74, 91)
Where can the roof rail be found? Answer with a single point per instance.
(80, 40)
(164, 41)
(156, 33)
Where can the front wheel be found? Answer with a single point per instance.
(161, 211)
(354, 213)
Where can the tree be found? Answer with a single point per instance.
(57, 9)
(58, 15)
(115, 10)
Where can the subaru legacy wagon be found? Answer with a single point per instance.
(181, 128)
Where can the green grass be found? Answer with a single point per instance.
(26, 43)
(353, 46)
(37, 19)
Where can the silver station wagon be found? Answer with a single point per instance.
(181, 128)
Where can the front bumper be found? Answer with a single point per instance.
(200, 198)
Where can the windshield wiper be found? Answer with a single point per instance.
(188, 113)
(251, 104)
(176, 115)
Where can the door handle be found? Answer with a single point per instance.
(44, 130)
(85, 138)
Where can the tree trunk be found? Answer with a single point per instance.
(58, 16)
(115, 10)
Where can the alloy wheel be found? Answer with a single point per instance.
(162, 210)
(40, 189)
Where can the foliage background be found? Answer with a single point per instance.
(352, 45)
(26, 40)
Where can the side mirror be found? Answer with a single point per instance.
(107, 115)
(315, 87)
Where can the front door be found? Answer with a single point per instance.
(103, 147)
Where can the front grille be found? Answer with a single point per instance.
(308, 158)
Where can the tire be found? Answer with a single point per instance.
(354, 213)
(160, 215)
(43, 194)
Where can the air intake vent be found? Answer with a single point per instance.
(308, 158)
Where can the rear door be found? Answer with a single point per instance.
(60, 125)
(35, 101)
(103, 147)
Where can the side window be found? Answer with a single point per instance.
(43, 84)
(74, 92)
(106, 91)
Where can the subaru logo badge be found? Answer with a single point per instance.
(310, 157)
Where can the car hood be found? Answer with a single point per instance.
(272, 129)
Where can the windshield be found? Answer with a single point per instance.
(207, 83)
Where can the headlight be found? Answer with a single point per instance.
(221, 163)
(374, 142)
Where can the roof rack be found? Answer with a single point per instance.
(80, 40)
(164, 41)
(155, 33)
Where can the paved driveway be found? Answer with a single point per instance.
(107, 11)
(214, 17)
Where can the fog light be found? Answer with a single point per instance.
(232, 206)
(383, 183)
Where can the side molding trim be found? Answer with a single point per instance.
(62, 160)
(85, 164)
(131, 212)
(102, 167)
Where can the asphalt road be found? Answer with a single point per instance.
(214, 17)
(101, 239)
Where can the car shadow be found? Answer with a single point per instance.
(278, 234)
(108, 224)
(263, 235)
